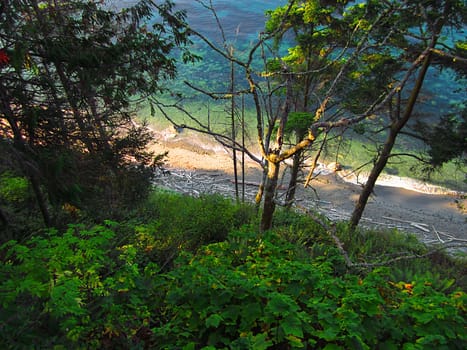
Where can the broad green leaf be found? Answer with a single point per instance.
(213, 321)
(261, 342)
(190, 346)
(295, 341)
(292, 326)
(280, 304)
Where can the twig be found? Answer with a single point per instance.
(437, 235)
(419, 226)
(405, 221)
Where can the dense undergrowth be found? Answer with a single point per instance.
(185, 273)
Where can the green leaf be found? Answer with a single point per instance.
(190, 346)
(295, 341)
(329, 333)
(213, 321)
(333, 347)
(292, 326)
(281, 305)
(260, 342)
(249, 314)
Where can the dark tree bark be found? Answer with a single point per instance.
(3, 217)
(41, 201)
(385, 154)
(294, 172)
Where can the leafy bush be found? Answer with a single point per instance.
(254, 293)
(74, 288)
(114, 286)
(197, 221)
(18, 206)
(373, 244)
(443, 271)
(13, 188)
(298, 228)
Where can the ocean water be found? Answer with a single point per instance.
(240, 19)
(238, 25)
(243, 20)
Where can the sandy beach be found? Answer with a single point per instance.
(198, 163)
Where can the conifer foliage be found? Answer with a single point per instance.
(70, 74)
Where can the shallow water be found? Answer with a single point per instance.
(243, 20)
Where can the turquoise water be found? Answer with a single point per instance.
(239, 25)
(243, 20)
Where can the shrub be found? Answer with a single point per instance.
(197, 221)
(254, 293)
(74, 288)
(108, 286)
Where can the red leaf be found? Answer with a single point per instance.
(4, 59)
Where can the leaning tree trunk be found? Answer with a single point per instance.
(383, 157)
(374, 174)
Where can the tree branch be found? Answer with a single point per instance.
(444, 54)
(222, 139)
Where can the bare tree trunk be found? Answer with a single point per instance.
(260, 192)
(232, 120)
(40, 200)
(243, 149)
(383, 157)
(273, 158)
(374, 174)
(296, 164)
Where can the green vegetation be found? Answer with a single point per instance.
(189, 273)
(92, 256)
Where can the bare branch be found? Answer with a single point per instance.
(444, 54)
(211, 8)
(402, 154)
(217, 95)
(203, 129)
(315, 161)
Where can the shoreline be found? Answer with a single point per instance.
(170, 135)
(201, 166)
(407, 183)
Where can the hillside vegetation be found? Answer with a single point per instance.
(94, 256)
(188, 273)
